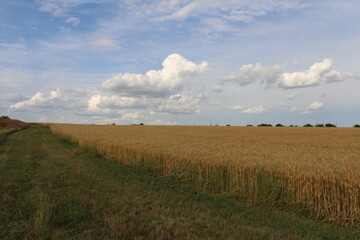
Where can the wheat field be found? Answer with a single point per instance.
(315, 169)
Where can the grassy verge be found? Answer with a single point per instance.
(4, 132)
(53, 189)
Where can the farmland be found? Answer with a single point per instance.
(52, 188)
(313, 170)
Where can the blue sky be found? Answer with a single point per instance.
(180, 62)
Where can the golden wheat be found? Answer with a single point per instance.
(317, 169)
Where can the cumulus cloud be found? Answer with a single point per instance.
(236, 108)
(308, 110)
(180, 104)
(310, 77)
(39, 100)
(101, 103)
(104, 44)
(315, 106)
(318, 72)
(255, 110)
(155, 83)
(250, 73)
(68, 99)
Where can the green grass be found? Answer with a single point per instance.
(53, 189)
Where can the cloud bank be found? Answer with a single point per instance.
(38, 100)
(249, 73)
(320, 72)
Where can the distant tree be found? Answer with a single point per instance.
(308, 125)
(291, 125)
(319, 125)
(264, 125)
(4, 117)
(113, 124)
(330, 125)
(228, 125)
(141, 124)
(279, 125)
(249, 125)
(357, 125)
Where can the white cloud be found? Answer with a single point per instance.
(236, 108)
(308, 110)
(54, 7)
(294, 109)
(180, 104)
(315, 106)
(232, 10)
(104, 44)
(132, 116)
(160, 122)
(39, 100)
(249, 73)
(61, 7)
(101, 103)
(73, 20)
(162, 82)
(318, 72)
(310, 77)
(68, 99)
(292, 96)
(12, 45)
(255, 110)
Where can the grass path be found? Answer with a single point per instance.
(52, 189)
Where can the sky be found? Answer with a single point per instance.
(180, 62)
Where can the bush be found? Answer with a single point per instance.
(249, 125)
(357, 125)
(319, 125)
(4, 117)
(228, 125)
(308, 125)
(279, 125)
(141, 124)
(264, 125)
(330, 125)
